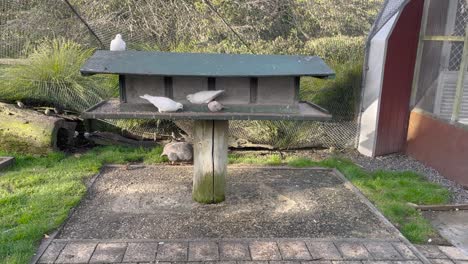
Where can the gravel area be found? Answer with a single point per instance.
(154, 202)
(393, 162)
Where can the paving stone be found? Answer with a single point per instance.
(216, 262)
(234, 251)
(203, 251)
(316, 262)
(442, 261)
(323, 250)
(404, 250)
(346, 262)
(262, 250)
(382, 250)
(284, 262)
(252, 262)
(453, 253)
(407, 262)
(294, 250)
(377, 262)
(52, 252)
(353, 250)
(430, 251)
(139, 252)
(108, 253)
(174, 251)
(76, 252)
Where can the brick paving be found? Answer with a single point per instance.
(247, 251)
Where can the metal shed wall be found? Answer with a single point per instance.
(397, 81)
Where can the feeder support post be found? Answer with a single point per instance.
(210, 144)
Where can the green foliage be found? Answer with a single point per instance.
(51, 75)
(390, 192)
(37, 193)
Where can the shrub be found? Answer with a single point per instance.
(339, 49)
(51, 76)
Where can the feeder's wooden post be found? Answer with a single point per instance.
(210, 160)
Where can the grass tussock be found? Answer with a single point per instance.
(51, 76)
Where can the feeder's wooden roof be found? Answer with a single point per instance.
(204, 65)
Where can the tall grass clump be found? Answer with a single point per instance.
(51, 76)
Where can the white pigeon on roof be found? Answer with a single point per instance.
(204, 97)
(117, 44)
(163, 104)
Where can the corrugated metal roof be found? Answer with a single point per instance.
(204, 64)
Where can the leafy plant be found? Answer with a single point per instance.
(51, 76)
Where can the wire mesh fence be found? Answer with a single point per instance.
(440, 63)
(26, 24)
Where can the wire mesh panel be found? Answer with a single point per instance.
(441, 60)
(27, 26)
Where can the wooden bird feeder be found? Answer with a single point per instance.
(257, 87)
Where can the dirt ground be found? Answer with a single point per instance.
(155, 203)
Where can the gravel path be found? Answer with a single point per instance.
(400, 162)
(393, 162)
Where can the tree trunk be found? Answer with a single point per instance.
(27, 131)
(210, 160)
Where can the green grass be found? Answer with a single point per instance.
(37, 193)
(268, 159)
(390, 192)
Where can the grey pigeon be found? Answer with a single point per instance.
(204, 97)
(215, 106)
(178, 151)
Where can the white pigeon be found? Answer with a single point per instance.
(215, 106)
(163, 104)
(204, 97)
(118, 44)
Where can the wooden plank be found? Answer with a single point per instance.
(210, 160)
(253, 90)
(122, 89)
(168, 87)
(220, 158)
(211, 84)
(461, 80)
(444, 38)
(440, 207)
(417, 67)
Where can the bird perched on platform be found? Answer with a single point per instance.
(204, 97)
(178, 151)
(163, 104)
(117, 44)
(215, 106)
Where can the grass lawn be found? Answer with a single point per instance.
(37, 193)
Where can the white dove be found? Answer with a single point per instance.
(117, 44)
(204, 97)
(163, 104)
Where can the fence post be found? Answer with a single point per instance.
(417, 65)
